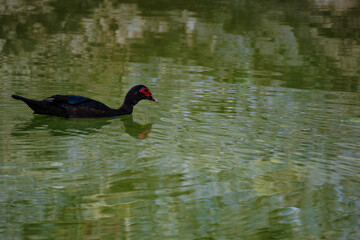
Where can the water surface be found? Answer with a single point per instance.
(255, 136)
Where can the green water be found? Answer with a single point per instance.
(256, 134)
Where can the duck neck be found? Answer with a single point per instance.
(128, 106)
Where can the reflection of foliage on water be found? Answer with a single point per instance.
(232, 154)
(230, 37)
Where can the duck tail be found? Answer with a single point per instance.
(37, 106)
(19, 97)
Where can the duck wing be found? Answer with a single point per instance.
(77, 101)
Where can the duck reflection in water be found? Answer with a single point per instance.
(135, 129)
(63, 127)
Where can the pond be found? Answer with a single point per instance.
(256, 134)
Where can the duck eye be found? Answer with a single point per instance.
(145, 91)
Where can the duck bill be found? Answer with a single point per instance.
(153, 99)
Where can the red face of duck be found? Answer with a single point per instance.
(148, 95)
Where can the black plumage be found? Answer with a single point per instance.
(72, 106)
